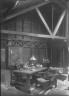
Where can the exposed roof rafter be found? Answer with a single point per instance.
(26, 10)
(59, 2)
(44, 21)
(59, 23)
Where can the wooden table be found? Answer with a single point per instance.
(29, 73)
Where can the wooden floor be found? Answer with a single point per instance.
(61, 89)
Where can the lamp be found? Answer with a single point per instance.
(33, 58)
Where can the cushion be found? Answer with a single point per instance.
(42, 80)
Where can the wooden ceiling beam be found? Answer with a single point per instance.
(31, 34)
(59, 23)
(60, 3)
(44, 21)
(26, 10)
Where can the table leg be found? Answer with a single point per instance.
(28, 83)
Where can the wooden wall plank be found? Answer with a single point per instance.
(26, 54)
(19, 24)
(11, 26)
(35, 28)
(3, 58)
(35, 52)
(27, 25)
(42, 53)
(3, 26)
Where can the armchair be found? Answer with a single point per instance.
(47, 79)
(42, 80)
(53, 80)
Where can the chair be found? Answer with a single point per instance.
(53, 74)
(53, 80)
(43, 83)
(42, 80)
(46, 79)
(13, 78)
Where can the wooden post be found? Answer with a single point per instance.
(63, 57)
(68, 36)
(67, 27)
(51, 56)
(65, 48)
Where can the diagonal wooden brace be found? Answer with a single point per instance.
(43, 20)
